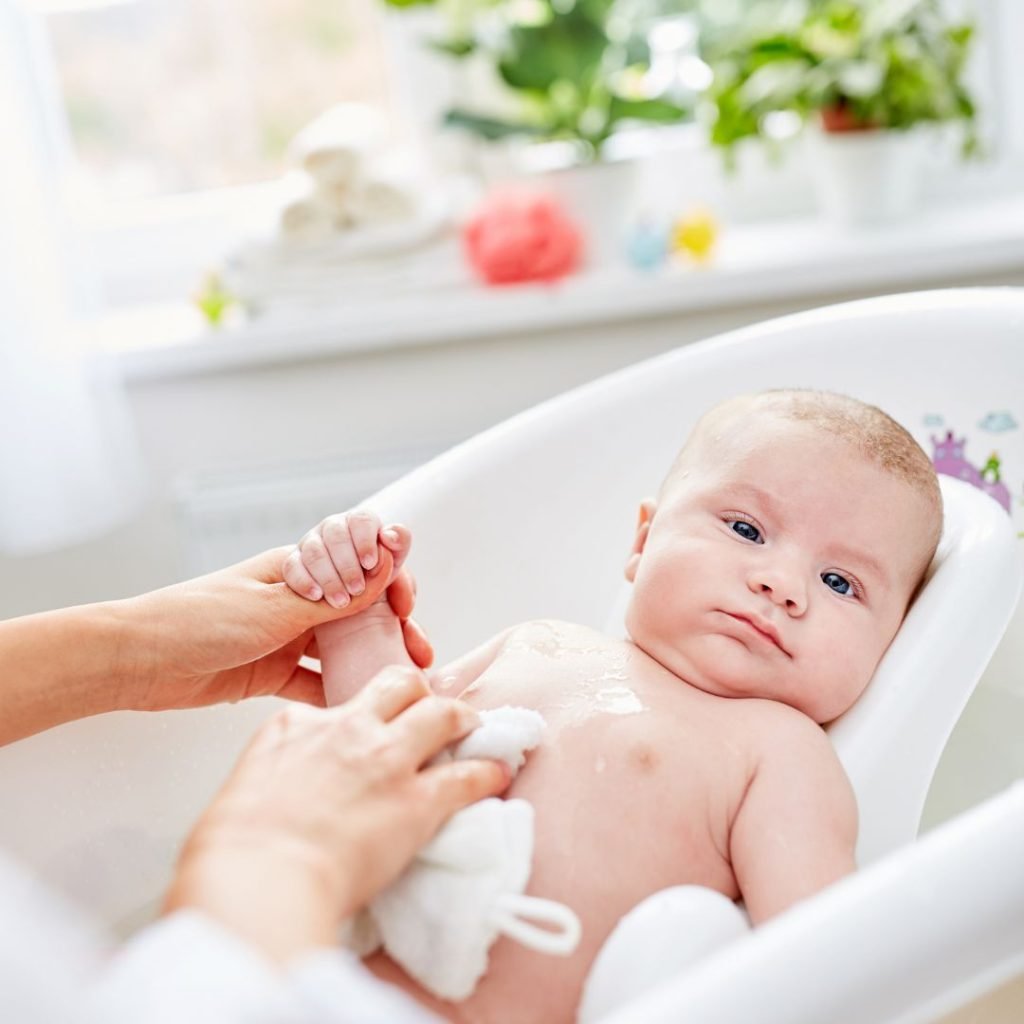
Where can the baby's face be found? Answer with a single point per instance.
(779, 565)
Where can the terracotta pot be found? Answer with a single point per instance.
(841, 119)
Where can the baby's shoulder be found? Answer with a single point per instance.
(777, 730)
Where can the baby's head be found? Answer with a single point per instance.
(784, 549)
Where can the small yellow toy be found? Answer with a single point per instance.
(695, 234)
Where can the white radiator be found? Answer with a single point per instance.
(229, 516)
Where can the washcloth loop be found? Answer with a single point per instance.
(512, 916)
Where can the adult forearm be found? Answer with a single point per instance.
(63, 665)
(278, 902)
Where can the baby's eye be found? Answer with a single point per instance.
(748, 531)
(840, 584)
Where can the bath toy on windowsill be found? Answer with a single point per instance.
(214, 300)
(647, 245)
(518, 236)
(695, 234)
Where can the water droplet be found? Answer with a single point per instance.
(618, 700)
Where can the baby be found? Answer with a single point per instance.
(769, 576)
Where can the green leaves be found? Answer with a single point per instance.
(490, 128)
(656, 111)
(568, 48)
(891, 65)
(570, 63)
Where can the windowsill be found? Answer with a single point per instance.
(774, 261)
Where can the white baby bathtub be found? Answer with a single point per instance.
(534, 518)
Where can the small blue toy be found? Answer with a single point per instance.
(647, 245)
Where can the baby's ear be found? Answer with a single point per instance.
(643, 528)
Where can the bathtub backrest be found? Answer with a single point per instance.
(534, 517)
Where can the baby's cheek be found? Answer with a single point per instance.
(839, 679)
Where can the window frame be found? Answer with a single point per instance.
(154, 250)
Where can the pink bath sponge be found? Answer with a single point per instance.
(522, 236)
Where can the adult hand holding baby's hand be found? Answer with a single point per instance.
(240, 633)
(336, 559)
(325, 809)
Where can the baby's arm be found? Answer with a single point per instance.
(340, 558)
(796, 828)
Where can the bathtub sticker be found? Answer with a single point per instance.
(933, 419)
(948, 458)
(997, 422)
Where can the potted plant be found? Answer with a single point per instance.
(571, 72)
(564, 70)
(865, 75)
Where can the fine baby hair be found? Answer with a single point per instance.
(867, 428)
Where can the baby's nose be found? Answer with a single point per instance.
(782, 586)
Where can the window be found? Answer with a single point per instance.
(178, 109)
(172, 96)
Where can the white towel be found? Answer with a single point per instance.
(384, 199)
(335, 147)
(440, 918)
(309, 218)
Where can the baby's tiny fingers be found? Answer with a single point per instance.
(318, 563)
(364, 527)
(296, 576)
(343, 555)
(398, 540)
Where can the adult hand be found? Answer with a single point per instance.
(239, 633)
(326, 808)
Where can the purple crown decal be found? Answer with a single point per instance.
(948, 458)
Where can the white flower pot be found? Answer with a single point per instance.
(424, 82)
(598, 196)
(866, 177)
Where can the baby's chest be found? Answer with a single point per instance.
(619, 746)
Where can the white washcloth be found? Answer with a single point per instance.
(334, 148)
(440, 918)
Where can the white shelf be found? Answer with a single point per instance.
(774, 261)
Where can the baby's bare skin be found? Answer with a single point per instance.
(768, 578)
(627, 744)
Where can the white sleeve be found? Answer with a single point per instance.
(187, 968)
(334, 986)
(56, 966)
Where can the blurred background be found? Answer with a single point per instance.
(260, 257)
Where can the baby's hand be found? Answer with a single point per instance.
(335, 558)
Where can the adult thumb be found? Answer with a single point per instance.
(299, 612)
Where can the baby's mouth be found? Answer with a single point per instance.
(762, 628)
